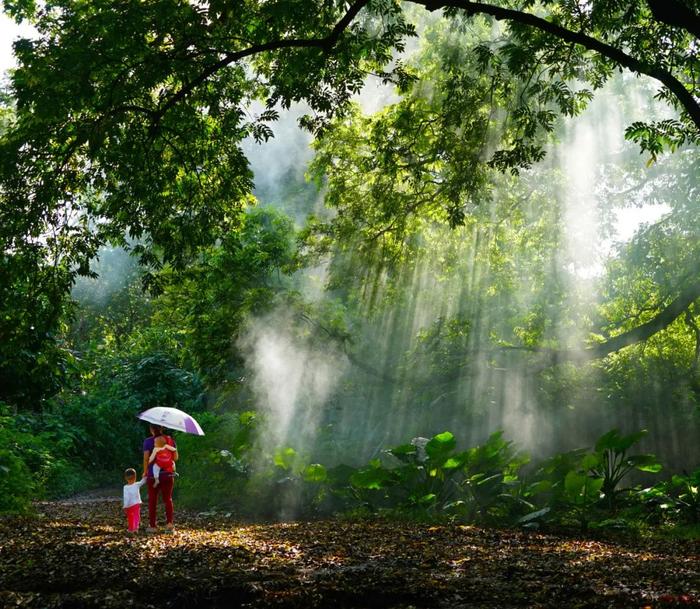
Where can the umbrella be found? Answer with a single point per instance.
(172, 418)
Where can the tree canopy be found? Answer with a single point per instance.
(129, 116)
(124, 124)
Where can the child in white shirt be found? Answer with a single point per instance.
(132, 499)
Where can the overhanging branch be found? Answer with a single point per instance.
(324, 44)
(685, 97)
(550, 357)
(660, 321)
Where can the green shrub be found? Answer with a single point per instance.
(17, 485)
(611, 462)
(214, 468)
(677, 499)
(686, 492)
(478, 485)
(25, 463)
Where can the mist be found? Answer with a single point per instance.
(391, 397)
(291, 378)
(115, 269)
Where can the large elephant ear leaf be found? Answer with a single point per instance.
(645, 463)
(627, 441)
(440, 446)
(590, 461)
(616, 442)
(373, 477)
(574, 483)
(608, 441)
(456, 461)
(315, 472)
(285, 458)
(495, 444)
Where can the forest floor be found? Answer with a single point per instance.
(77, 554)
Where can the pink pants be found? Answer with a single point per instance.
(133, 517)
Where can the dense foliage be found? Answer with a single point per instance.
(127, 120)
(429, 478)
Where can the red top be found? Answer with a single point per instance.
(164, 460)
(149, 445)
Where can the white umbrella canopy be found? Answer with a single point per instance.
(172, 418)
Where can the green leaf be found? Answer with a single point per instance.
(580, 487)
(618, 443)
(285, 458)
(427, 499)
(456, 461)
(645, 463)
(372, 477)
(405, 452)
(315, 472)
(534, 515)
(440, 446)
(590, 461)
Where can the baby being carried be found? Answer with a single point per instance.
(162, 458)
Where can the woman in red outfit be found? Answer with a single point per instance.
(164, 488)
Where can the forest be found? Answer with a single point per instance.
(426, 272)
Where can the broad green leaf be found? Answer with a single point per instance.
(285, 458)
(590, 461)
(373, 478)
(574, 483)
(618, 443)
(405, 452)
(315, 472)
(645, 463)
(456, 461)
(427, 499)
(534, 515)
(440, 446)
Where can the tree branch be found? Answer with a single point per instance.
(325, 44)
(662, 320)
(551, 357)
(685, 97)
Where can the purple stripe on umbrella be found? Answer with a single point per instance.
(190, 427)
(172, 418)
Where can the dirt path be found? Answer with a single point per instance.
(77, 555)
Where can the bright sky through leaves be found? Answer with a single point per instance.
(9, 32)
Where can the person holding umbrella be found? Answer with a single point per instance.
(164, 485)
(172, 418)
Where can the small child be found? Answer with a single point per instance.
(132, 499)
(162, 458)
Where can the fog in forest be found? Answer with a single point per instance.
(323, 404)
(292, 379)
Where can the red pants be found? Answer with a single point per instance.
(165, 488)
(133, 517)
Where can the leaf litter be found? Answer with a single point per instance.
(77, 554)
